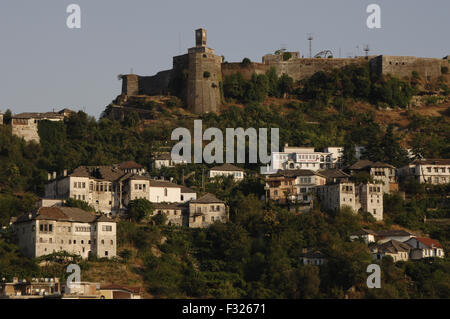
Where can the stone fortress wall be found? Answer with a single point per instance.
(204, 71)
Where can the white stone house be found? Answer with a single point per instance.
(25, 125)
(164, 159)
(431, 171)
(365, 234)
(422, 247)
(363, 197)
(312, 257)
(397, 250)
(55, 229)
(304, 158)
(227, 170)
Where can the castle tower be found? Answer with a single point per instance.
(200, 38)
(204, 77)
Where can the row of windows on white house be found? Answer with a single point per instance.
(70, 241)
(48, 228)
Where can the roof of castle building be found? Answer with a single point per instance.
(227, 167)
(207, 199)
(70, 214)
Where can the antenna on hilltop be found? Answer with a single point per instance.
(310, 38)
(131, 71)
(367, 49)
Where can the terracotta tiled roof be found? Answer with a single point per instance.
(227, 167)
(130, 165)
(429, 242)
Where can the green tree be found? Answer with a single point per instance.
(138, 209)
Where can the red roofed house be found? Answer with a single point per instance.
(423, 247)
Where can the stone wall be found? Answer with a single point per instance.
(429, 69)
(205, 76)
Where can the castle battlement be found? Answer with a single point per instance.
(197, 76)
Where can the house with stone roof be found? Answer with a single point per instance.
(227, 170)
(207, 210)
(397, 250)
(380, 172)
(49, 230)
(109, 189)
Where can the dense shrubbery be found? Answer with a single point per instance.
(356, 82)
(258, 87)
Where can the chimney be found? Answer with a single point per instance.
(54, 175)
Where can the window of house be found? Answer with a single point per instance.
(165, 191)
(203, 218)
(74, 241)
(106, 253)
(103, 242)
(41, 227)
(112, 242)
(212, 218)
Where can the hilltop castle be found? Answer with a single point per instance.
(197, 76)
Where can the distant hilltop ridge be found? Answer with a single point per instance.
(197, 76)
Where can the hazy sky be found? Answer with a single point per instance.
(45, 65)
